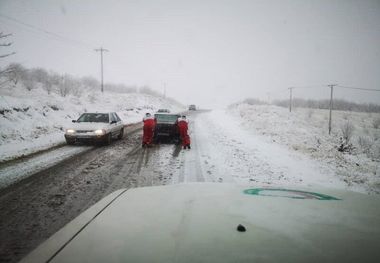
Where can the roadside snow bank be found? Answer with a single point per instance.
(306, 131)
(31, 121)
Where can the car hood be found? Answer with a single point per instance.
(199, 223)
(88, 126)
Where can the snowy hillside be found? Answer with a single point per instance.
(34, 120)
(306, 131)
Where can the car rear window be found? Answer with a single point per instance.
(167, 118)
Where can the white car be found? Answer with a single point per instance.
(95, 127)
(217, 222)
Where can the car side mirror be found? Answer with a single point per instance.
(74, 121)
(112, 122)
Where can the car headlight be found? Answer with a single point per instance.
(100, 132)
(70, 131)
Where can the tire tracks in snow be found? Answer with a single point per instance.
(19, 169)
(189, 160)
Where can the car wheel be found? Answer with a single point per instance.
(108, 139)
(121, 134)
(70, 141)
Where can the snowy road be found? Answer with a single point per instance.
(13, 171)
(34, 209)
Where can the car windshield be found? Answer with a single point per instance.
(94, 117)
(166, 118)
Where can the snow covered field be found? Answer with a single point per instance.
(305, 132)
(31, 121)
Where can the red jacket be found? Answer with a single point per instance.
(149, 122)
(182, 124)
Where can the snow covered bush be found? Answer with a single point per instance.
(365, 143)
(65, 85)
(92, 98)
(14, 72)
(376, 152)
(347, 130)
(376, 123)
(253, 101)
(149, 91)
(310, 113)
(29, 84)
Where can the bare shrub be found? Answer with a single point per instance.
(310, 113)
(121, 88)
(90, 82)
(65, 85)
(376, 136)
(347, 131)
(76, 91)
(76, 87)
(38, 75)
(29, 83)
(254, 101)
(376, 152)
(325, 104)
(365, 143)
(92, 98)
(376, 123)
(15, 72)
(149, 91)
(48, 86)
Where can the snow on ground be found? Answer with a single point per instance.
(277, 134)
(31, 121)
(264, 145)
(230, 153)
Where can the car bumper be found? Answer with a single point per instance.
(85, 137)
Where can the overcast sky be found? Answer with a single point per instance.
(209, 53)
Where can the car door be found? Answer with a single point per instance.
(116, 125)
(119, 122)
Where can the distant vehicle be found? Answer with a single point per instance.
(163, 111)
(95, 127)
(192, 107)
(166, 128)
(220, 222)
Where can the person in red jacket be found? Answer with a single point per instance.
(183, 132)
(148, 129)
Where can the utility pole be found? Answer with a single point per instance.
(290, 99)
(101, 49)
(331, 104)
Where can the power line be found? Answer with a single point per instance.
(345, 87)
(49, 33)
(305, 87)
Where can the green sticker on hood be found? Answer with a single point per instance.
(288, 193)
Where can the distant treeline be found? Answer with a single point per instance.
(338, 104)
(63, 84)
